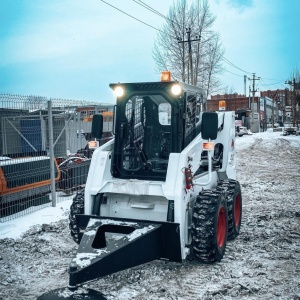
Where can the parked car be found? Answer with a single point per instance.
(241, 130)
(289, 130)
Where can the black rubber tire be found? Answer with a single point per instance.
(77, 207)
(209, 226)
(232, 190)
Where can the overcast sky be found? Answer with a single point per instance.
(73, 49)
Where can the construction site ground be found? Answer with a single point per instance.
(262, 263)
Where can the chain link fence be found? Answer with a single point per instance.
(44, 153)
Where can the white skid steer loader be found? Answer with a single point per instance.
(164, 188)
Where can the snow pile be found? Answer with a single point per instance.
(16, 227)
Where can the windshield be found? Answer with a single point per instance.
(148, 139)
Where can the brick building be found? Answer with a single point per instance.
(280, 96)
(266, 110)
(233, 102)
(242, 107)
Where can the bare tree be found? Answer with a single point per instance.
(212, 65)
(188, 47)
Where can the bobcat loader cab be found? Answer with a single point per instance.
(163, 188)
(149, 125)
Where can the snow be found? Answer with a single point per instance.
(85, 259)
(138, 232)
(15, 228)
(263, 262)
(269, 139)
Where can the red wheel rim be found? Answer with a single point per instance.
(222, 228)
(237, 210)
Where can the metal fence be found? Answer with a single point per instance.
(44, 155)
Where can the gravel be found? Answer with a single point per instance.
(262, 263)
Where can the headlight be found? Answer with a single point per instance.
(176, 89)
(119, 91)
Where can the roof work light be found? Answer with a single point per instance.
(119, 91)
(176, 89)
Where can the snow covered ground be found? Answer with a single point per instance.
(17, 227)
(262, 263)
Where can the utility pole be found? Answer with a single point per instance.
(273, 106)
(181, 40)
(293, 107)
(265, 115)
(188, 31)
(253, 95)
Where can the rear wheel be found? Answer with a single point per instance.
(77, 207)
(209, 226)
(233, 193)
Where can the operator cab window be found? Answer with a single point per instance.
(164, 113)
(148, 140)
(192, 117)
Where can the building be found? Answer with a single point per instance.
(87, 112)
(242, 107)
(255, 113)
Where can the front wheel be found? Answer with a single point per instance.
(77, 207)
(209, 226)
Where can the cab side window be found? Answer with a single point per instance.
(192, 117)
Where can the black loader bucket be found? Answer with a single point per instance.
(109, 245)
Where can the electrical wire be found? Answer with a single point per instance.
(261, 79)
(267, 85)
(143, 4)
(146, 6)
(133, 17)
(139, 2)
(232, 73)
(233, 65)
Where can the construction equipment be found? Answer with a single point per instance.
(73, 173)
(164, 188)
(24, 181)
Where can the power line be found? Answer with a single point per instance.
(139, 2)
(233, 65)
(273, 79)
(132, 16)
(262, 81)
(266, 85)
(232, 73)
(278, 81)
(155, 11)
(146, 6)
(275, 83)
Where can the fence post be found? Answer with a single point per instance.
(51, 153)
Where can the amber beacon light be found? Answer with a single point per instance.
(165, 76)
(222, 105)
